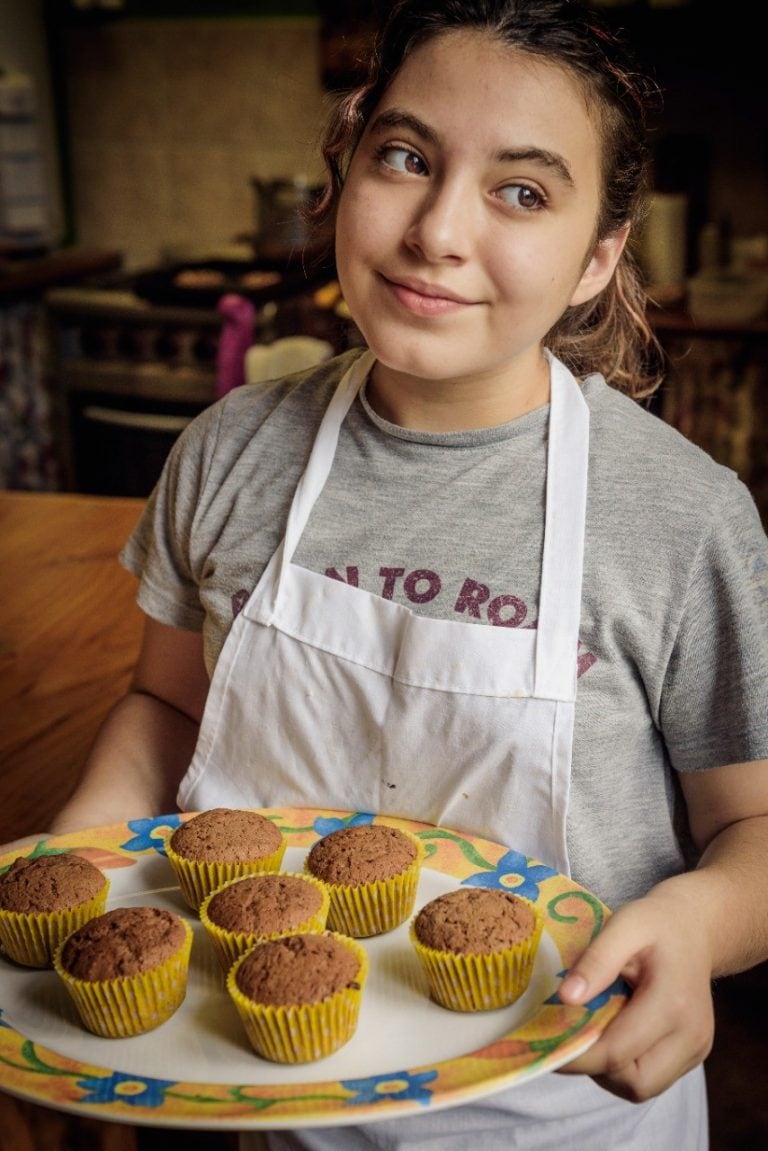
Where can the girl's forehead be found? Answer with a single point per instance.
(472, 65)
(471, 81)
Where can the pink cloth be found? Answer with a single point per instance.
(234, 340)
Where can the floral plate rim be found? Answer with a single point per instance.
(555, 1035)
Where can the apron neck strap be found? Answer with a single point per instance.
(321, 457)
(557, 634)
(566, 496)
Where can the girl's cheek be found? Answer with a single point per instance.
(357, 219)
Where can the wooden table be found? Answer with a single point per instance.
(69, 636)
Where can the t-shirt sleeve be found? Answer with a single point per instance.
(158, 552)
(715, 700)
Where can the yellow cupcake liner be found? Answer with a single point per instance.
(479, 982)
(230, 945)
(132, 1004)
(301, 1032)
(32, 937)
(363, 909)
(198, 878)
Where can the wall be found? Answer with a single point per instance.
(169, 119)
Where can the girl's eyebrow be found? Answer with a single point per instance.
(398, 118)
(540, 156)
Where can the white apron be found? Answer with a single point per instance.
(327, 695)
(330, 696)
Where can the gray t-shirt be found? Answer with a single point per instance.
(673, 651)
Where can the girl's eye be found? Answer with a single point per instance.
(402, 160)
(521, 196)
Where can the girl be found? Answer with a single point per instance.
(462, 576)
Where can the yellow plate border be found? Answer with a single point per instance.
(554, 1036)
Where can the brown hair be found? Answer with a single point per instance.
(609, 333)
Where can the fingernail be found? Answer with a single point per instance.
(574, 986)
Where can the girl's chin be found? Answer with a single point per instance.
(414, 369)
(417, 363)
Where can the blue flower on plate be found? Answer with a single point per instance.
(397, 1085)
(121, 1088)
(618, 987)
(144, 838)
(324, 826)
(514, 872)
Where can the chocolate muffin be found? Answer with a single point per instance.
(257, 907)
(372, 873)
(299, 995)
(126, 970)
(477, 946)
(43, 900)
(222, 844)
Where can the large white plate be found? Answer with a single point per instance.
(408, 1056)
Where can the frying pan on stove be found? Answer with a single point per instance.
(202, 283)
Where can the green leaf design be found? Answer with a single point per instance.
(39, 849)
(594, 904)
(34, 1062)
(545, 1046)
(202, 1099)
(261, 1103)
(466, 848)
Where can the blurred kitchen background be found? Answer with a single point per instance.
(154, 155)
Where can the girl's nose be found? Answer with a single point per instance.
(441, 226)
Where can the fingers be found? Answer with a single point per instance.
(610, 955)
(667, 1026)
(653, 1041)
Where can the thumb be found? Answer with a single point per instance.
(607, 957)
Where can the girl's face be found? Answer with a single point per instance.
(468, 217)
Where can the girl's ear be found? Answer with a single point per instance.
(600, 267)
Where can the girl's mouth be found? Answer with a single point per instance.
(423, 299)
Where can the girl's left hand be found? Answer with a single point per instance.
(667, 1026)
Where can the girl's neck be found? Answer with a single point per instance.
(455, 405)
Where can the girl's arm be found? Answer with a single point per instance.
(146, 743)
(686, 931)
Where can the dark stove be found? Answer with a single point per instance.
(134, 358)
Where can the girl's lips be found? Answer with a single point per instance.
(425, 301)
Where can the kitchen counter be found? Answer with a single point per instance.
(69, 636)
(22, 277)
